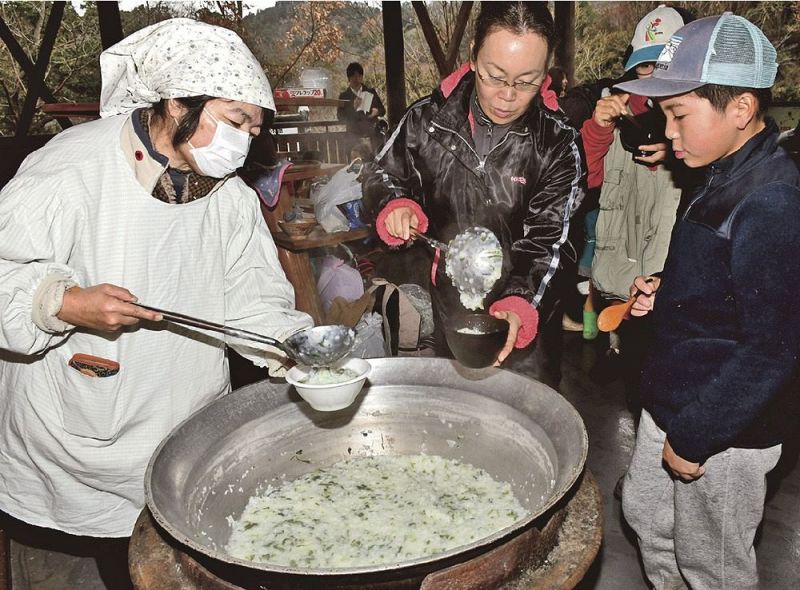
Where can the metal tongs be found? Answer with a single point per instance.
(430, 241)
(319, 346)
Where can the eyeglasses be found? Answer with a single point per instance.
(519, 85)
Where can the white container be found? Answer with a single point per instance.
(329, 397)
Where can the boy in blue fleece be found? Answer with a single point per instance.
(717, 388)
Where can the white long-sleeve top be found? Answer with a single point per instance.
(73, 449)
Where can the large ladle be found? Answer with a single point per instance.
(474, 262)
(318, 347)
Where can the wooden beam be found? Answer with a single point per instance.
(394, 51)
(36, 86)
(429, 32)
(110, 23)
(458, 33)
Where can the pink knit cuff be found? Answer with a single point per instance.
(526, 312)
(380, 222)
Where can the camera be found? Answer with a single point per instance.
(643, 129)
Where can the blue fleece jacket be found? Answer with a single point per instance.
(726, 315)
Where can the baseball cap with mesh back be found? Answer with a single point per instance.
(727, 50)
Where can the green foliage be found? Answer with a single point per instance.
(603, 31)
(72, 74)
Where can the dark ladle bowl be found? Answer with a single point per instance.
(321, 345)
(476, 339)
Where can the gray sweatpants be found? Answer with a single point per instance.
(698, 534)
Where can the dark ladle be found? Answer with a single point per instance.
(319, 346)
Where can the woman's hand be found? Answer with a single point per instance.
(609, 108)
(680, 467)
(514, 324)
(103, 307)
(400, 221)
(647, 297)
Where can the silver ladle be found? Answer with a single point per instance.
(474, 262)
(318, 347)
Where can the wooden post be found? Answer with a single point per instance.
(564, 18)
(394, 50)
(110, 23)
(5, 561)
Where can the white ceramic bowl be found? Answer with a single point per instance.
(329, 397)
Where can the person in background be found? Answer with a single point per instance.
(145, 205)
(482, 150)
(640, 189)
(363, 109)
(559, 81)
(719, 391)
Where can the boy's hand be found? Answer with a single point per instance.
(609, 108)
(680, 467)
(647, 297)
(514, 324)
(659, 153)
(400, 221)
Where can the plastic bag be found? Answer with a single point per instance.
(369, 337)
(338, 279)
(343, 187)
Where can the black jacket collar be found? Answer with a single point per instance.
(763, 143)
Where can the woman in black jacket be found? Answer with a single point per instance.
(484, 150)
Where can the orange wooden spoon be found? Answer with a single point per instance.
(613, 315)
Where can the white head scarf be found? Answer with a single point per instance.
(176, 58)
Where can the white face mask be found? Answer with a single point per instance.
(226, 152)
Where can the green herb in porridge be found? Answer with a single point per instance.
(372, 511)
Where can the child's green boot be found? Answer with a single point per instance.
(589, 324)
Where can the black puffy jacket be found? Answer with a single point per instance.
(526, 190)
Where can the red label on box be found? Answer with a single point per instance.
(299, 93)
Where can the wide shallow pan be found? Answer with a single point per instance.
(515, 428)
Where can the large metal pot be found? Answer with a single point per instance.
(515, 428)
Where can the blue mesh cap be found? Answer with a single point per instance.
(727, 50)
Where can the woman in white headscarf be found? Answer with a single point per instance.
(140, 205)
